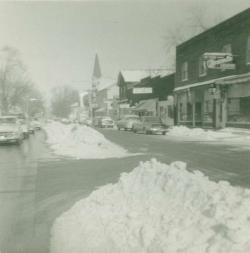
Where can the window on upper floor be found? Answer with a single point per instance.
(227, 48)
(248, 50)
(202, 66)
(184, 71)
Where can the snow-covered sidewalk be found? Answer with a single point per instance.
(80, 142)
(229, 136)
(157, 208)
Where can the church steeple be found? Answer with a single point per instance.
(97, 69)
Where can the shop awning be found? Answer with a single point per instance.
(146, 105)
(101, 110)
(234, 79)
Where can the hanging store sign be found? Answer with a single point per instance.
(142, 90)
(219, 60)
(226, 66)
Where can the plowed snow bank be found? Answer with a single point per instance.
(157, 208)
(81, 142)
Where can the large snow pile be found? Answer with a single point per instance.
(81, 142)
(157, 208)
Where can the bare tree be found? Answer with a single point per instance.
(198, 20)
(15, 86)
(62, 99)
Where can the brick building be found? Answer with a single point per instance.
(212, 82)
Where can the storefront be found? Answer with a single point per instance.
(220, 103)
(238, 100)
(166, 111)
(200, 106)
(147, 107)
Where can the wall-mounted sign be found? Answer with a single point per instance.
(226, 66)
(124, 106)
(219, 60)
(142, 90)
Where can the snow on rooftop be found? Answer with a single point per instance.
(104, 83)
(157, 208)
(134, 75)
(138, 75)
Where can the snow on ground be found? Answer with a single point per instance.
(157, 208)
(198, 133)
(229, 136)
(81, 142)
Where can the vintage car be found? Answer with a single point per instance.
(127, 122)
(150, 125)
(96, 121)
(36, 124)
(25, 127)
(10, 130)
(106, 122)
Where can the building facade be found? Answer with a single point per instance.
(212, 82)
(106, 101)
(126, 81)
(151, 94)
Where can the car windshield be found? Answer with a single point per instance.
(157, 125)
(8, 120)
(152, 119)
(107, 120)
(132, 117)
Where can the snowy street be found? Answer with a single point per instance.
(125, 126)
(44, 185)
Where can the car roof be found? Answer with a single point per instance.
(131, 115)
(8, 117)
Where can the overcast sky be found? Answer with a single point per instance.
(58, 40)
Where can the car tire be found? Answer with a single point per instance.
(19, 141)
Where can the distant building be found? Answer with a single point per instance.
(107, 95)
(212, 83)
(147, 92)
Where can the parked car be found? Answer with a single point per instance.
(106, 122)
(10, 130)
(150, 125)
(127, 122)
(96, 121)
(25, 127)
(88, 122)
(65, 121)
(36, 124)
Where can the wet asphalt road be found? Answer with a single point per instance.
(36, 186)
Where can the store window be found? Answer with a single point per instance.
(202, 67)
(181, 111)
(170, 111)
(184, 71)
(248, 50)
(208, 111)
(238, 110)
(189, 112)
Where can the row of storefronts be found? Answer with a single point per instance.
(147, 93)
(220, 103)
(212, 86)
